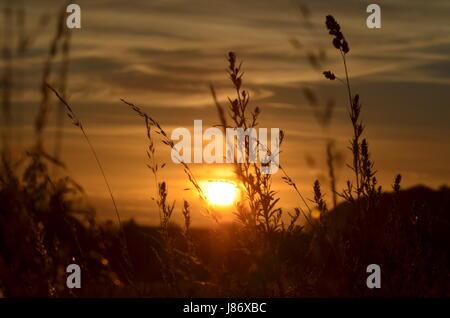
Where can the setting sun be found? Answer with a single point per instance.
(220, 192)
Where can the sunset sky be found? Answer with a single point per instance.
(163, 54)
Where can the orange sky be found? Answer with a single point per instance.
(163, 54)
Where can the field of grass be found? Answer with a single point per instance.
(320, 249)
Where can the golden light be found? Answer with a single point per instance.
(220, 192)
(315, 214)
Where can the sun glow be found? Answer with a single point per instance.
(220, 192)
